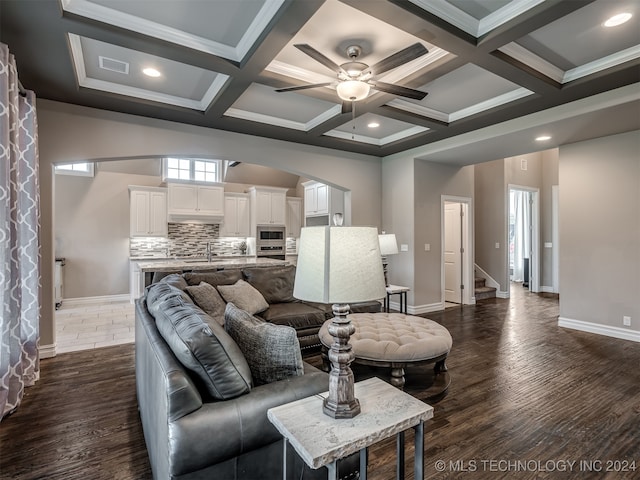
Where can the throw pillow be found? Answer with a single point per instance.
(272, 351)
(244, 296)
(204, 348)
(274, 283)
(208, 299)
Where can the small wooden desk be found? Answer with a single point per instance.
(321, 440)
(397, 290)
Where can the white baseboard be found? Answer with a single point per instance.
(419, 309)
(609, 331)
(546, 289)
(84, 301)
(47, 351)
(502, 294)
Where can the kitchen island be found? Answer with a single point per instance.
(141, 271)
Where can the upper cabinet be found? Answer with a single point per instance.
(197, 202)
(321, 200)
(268, 206)
(294, 217)
(147, 211)
(236, 216)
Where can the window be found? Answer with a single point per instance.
(192, 169)
(81, 169)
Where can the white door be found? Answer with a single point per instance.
(452, 253)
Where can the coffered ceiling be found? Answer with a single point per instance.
(221, 61)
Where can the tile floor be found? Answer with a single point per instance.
(81, 327)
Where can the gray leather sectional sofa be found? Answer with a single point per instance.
(191, 434)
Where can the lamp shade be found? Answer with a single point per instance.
(388, 244)
(339, 265)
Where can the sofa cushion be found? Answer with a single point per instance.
(244, 296)
(274, 283)
(208, 299)
(272, 351)
(221, 277)
(203, 347)
(295, 314)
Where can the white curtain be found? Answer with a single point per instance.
(19, 238)
(521, 237)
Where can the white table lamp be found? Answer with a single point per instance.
(338, 265)
(388, 246)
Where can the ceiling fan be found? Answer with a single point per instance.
(356, 78)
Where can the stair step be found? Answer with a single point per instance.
(480, 282)
(482, 293)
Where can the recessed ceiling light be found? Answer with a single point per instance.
(543, 138)
(618, 19)
(151, 72)
(373, 125)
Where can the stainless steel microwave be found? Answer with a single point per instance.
(266, 233)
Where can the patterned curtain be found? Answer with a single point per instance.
(19, 238)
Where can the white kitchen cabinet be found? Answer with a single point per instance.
(294, 217)
(322, 200)
(268, 206)
(316, 199)
(147, 211)
(196, 201)
(236, 216)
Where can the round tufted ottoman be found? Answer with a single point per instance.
(395, 340)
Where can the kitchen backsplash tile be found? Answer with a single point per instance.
(190, 240)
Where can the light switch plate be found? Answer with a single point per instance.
(427, 247)
(404, 247)
(497, 244)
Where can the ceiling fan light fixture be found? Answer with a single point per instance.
(353, 90)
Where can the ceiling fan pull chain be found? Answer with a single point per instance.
(353, 119)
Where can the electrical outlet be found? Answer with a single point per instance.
(427, 247)
(626, 321)
(497, 244)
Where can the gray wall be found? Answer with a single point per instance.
(432, 181)
(492, 181)
(600, 230)
(550, 159)
(490, 220)
(92, 231)
(69, 133)
(412, 192)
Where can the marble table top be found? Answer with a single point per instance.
(320, 439)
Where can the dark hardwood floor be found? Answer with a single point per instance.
(528, 400)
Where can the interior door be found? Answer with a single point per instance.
(452, 253)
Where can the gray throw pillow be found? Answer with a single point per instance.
(272, 351)
(208, 299)
(203, 347)
(244, 296)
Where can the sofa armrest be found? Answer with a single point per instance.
(225, 429)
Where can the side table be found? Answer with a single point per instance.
(321, 440)
(397, 290)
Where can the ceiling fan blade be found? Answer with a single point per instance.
(399, 90)
(399, 58)
(347, 106)
(303, 87)
(319, 57)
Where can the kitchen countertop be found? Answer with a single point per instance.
(169, 265)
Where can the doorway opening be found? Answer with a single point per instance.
(457, 255)
(523, 237)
